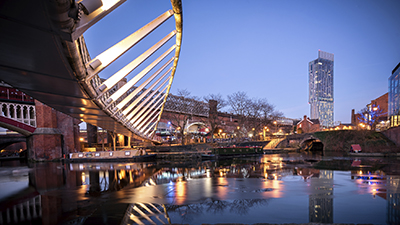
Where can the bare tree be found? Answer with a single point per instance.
(221, 102)
(253, 114)
(266, 110)
(239, 104)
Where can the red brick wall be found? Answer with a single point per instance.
(382, 101)
(69, 128)
(56, 134)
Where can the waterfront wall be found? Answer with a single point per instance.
(393, 134)
(181, 148)
(370, 141)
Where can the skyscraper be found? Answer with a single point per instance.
(321, 88)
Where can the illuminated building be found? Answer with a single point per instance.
(394, 97)
(308, 126)
(321, 88)
(375, 114)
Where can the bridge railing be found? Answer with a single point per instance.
(23, 113)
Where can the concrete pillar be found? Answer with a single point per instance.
(91, 134)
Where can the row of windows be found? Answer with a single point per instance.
(395, 121)
(394, 99)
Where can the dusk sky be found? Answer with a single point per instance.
(263, 47)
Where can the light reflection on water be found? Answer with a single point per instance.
(289, 188)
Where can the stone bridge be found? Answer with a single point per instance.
(341, 140)
(298, 140)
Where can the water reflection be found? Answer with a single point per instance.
(269, 189)
(321, 199)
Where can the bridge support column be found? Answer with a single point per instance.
(56, 134)
(91, 134)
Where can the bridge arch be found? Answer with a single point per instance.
(312, 143)
(195, 127)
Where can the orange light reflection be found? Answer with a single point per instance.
(180, 188)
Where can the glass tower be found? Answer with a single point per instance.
(321, 88)
(394, 97)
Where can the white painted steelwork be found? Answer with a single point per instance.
(130, 97)
(85, 21)
(106, 85)
(53, 64)
(143, 105)
(113, 53)
(143, 95)
(124, 89)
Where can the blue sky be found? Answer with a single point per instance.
(263, 47)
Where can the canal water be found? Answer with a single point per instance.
(279, 188)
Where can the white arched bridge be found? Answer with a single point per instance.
(43, 53)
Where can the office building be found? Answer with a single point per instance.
(394, 97)
(321, 89)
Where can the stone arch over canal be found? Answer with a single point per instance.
(195, 127)
(312, 143)
(341, 141)
(302, 141)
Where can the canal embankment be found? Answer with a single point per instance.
(370, 141)
(192, 152)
